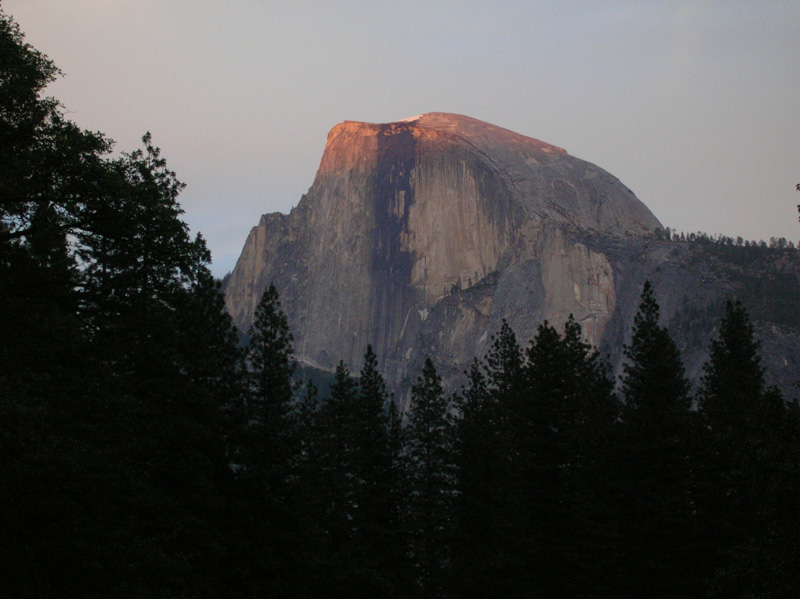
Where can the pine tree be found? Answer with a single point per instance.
(265, 545)
(485, 562)
(372, 445)
(397, 550)
(733, 378)
(658, 531)
(752, 469)
(329, 493)
(566, 422)
(506, 400)
(377, 514)
(337, 456)
(491, 517)
(209, 344)
(371, 427)
(99, 374)
(357, 486)
(271, 362)
(504, 371)
(653, 383)
(431, 480)
(592, 553)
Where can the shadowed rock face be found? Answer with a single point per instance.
(405, 218)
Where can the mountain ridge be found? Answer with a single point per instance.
(404, 220)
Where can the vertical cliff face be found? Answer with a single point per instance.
(419, 236)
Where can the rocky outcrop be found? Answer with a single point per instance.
(421, 236)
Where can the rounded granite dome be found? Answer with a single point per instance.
(539, 180)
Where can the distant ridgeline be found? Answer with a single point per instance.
(765, 275)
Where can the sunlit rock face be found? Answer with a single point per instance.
(420, 236)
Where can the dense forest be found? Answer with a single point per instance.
(146, 453)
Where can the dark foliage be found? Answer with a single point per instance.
(657, 525)
(116, 368)
(431, 481)
(751, 468)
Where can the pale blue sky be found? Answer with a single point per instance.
(695, 106)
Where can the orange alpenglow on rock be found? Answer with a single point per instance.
(421, 235)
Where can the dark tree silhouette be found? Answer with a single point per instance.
(752, 469)
(431, 480)
(657, 510)
(117, 363)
